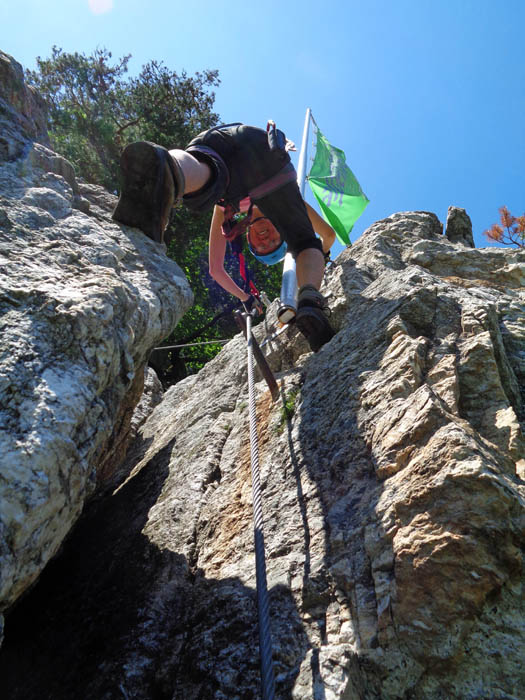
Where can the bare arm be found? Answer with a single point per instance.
(217, 250)
(320, 226)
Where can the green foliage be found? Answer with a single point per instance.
(287, 409)
(95, 110)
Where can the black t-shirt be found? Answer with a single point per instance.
(247, 155)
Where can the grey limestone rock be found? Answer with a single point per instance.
(23, 112)
(459, 227)
(392, 476)
(82, 303)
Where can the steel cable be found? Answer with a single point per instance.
(263, 605)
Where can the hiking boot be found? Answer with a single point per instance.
(311, 318)
(152, 183)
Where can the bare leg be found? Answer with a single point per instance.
(310, 267)
(196, 174)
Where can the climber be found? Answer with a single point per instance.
(264, 241)
(223, 166)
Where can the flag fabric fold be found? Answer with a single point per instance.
(336, 189)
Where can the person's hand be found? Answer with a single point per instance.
(253, 306)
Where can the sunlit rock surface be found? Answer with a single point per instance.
(82, 303)
(393, 502)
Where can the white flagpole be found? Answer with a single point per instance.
(288, 305)
(301, 167)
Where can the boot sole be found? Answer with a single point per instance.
(143, 195)
(314, 325)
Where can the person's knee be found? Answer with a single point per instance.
(196, 173)
(310, 255)
(312, 244)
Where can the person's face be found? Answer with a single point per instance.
(264, 238)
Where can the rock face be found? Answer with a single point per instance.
(459, 227)
(22, 111)
(82, 302)
(393, 503)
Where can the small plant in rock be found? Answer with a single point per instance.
(287, 409)
(510, 230)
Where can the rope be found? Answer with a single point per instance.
(263, 607)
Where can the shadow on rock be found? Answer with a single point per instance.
(114, 617)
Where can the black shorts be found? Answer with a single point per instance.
(286, 210)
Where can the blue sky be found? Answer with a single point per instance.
(426, 97)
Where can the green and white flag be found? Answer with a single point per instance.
(340, 197)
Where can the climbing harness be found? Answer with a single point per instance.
(232, 227)
(263, 605)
